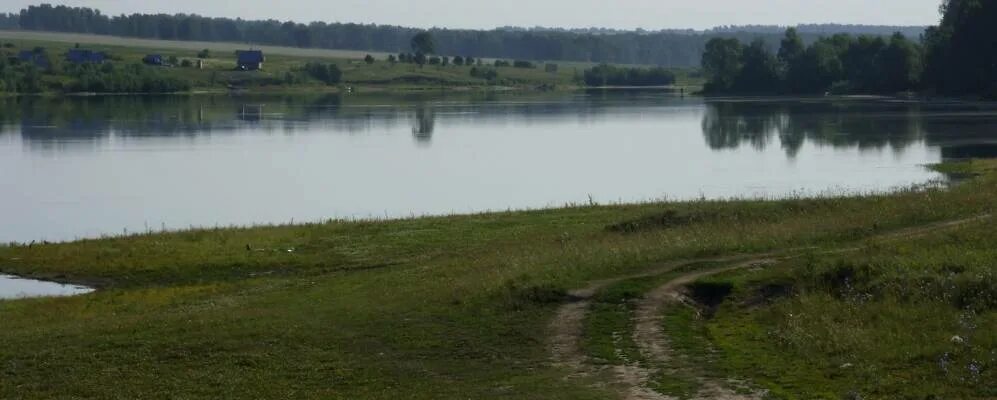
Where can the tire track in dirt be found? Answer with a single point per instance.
(567, 327)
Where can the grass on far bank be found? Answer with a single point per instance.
(431, 308)
(219, 69)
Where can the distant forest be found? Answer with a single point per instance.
(958, 57)
(669, 48)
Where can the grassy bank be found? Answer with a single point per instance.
(447, 307)
(283, 68)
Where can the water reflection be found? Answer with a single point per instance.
(959, 129)
(424, 124)
(82, 167)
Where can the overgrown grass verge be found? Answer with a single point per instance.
(457, 307)
(909, 319)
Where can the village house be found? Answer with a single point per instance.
(81, 56)
(250, 60)
(35, 57)
(153, 59)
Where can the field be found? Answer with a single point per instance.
(545, 304)
(219, 72)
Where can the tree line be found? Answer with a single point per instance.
(672, 48)
(839, 63)
(958, 57)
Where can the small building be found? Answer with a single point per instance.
(153, 59)
(81, 56)
(250, 60)
(37, 58)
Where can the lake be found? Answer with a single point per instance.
(90, 166)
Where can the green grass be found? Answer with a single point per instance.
(219, 71)
(451, 307)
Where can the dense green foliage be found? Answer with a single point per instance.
(839, 63)
(962, 50)
(8, 21)
(958, 57)
(674, 48)
(608, 75)
(53, 74)
(132, 78)
(330, 74)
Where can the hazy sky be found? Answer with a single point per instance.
(648, 14)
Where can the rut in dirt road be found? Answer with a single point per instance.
(634, 379)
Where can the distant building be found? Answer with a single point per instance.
(37, 58)
(80, 56)
(153, 59)
(250, 60)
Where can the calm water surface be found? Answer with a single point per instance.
(84, 167)
(17, 288)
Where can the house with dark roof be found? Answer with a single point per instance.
(37, 58)
(153, 59)
(81, 56)
(249, 60)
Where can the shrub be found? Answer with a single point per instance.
(330, 74)
(522, 64)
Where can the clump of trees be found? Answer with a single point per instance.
(523, 64)
(839, 63)
(330, 74)
(609, 75)
(961, 53)
(132, 78)
(958, 57)
(19, 77)
(51, 75)
(486, 73)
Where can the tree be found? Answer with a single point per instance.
(791, 48)
(759, 70)
(722, 63)
(860, 63)
(369, 59)
(458, 60)
(392, 59)
(962, 50)
(423, 43)
(899, 65)
(817, 69)
(419, 59)
(204, 54)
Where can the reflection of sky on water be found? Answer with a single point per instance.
(83, 167)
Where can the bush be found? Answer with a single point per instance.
(134, 78)
(330, 74)
(186, 63)
(204, 54)
(523, 64)
(501, 63)
(369, 59)
(458, 60)
(608, 75)
(484, 73)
